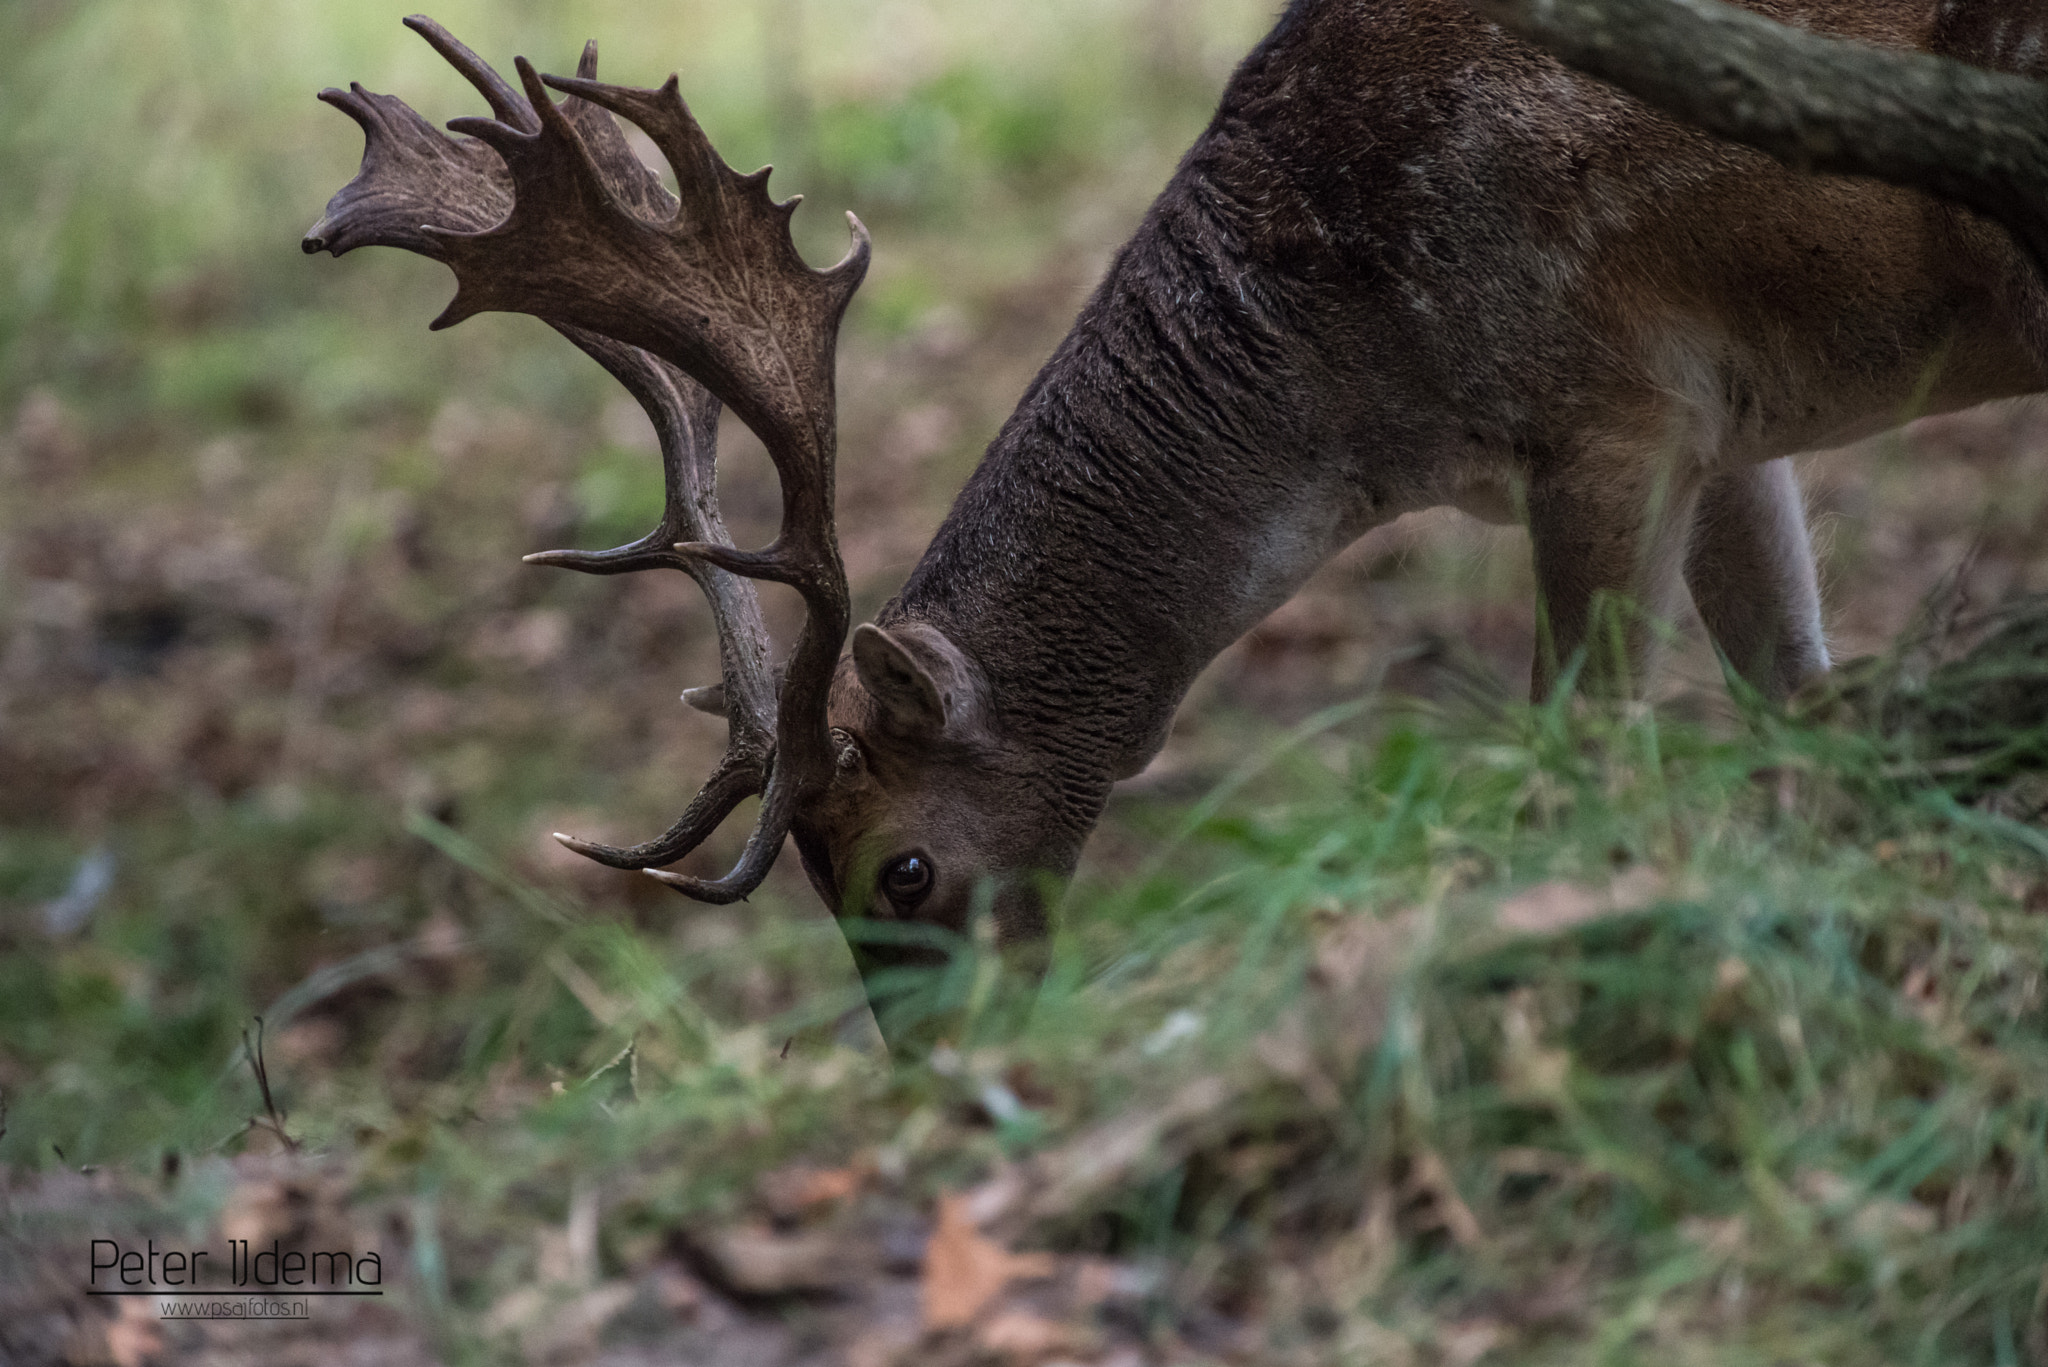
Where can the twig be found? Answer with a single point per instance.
(273, 1118)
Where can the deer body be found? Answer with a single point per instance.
(1412, 262)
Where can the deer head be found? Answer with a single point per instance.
(903, 800)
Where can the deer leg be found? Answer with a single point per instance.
(1609, 537)
(1750, 568)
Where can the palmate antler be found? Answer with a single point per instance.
(688, 303)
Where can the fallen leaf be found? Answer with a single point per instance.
(964, 1271)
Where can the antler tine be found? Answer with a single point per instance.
(689, 302)
(778, 811)
(496, 90)
(738, 777)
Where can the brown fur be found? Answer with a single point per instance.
(1411, 262)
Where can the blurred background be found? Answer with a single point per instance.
(283, 720)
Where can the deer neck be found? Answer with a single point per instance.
(1172, 475)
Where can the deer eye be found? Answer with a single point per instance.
(906, 881)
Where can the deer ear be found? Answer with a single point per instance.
(903, 688)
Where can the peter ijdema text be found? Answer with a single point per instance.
(119, 1269)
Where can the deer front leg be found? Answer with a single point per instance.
(1750, 569)
(1608, 532)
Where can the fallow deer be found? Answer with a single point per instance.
(1411, 262)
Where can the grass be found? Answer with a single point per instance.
(1449, 1032)
(1603, 1037)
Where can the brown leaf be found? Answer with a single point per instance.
(963, 1271)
